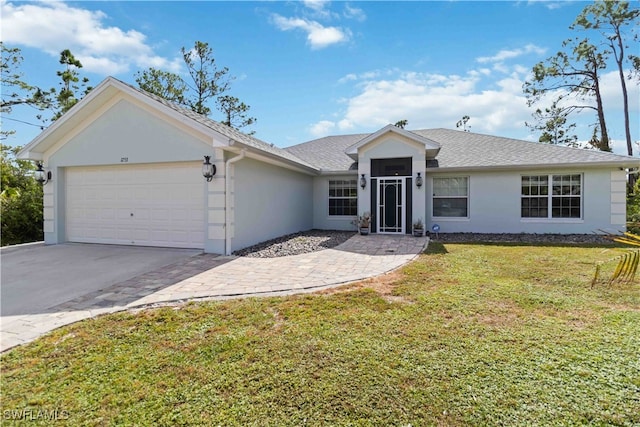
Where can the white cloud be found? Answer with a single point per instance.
(316, 5)
(322, 128)
(55, 26)
(495, 105)
(356, 13)
(551, 5)
(348, 78)
(512, 53)
(318, 36)
(612, 92)
(432, 100)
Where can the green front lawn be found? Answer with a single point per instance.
(466, 335)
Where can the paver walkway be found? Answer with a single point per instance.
(209, 276)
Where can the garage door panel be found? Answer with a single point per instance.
(142, 214)
(179, 215)
(166, 201)
(140, 234)
(196, 215)
(91, 214)
(142, 194)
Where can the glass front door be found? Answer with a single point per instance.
(390, 205)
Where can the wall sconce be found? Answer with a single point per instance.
(41, 175)
(363, 181)
(419, 181)
(208, 170)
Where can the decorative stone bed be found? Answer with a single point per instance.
(317, 240)
(520, 238)
(297, 243)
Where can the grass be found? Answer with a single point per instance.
(466, 335)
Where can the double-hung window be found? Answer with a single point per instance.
(551, 196)
(343, 197)
(451, 197)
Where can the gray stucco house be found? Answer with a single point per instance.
(126, 168)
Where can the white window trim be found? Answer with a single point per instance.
(550, 219)
(468, 196)
(553, 220)
(340, 217)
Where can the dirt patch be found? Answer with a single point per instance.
(383, 285)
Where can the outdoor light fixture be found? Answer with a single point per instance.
(419, 181)
(41, 175)
(208, 170)
(363, 181)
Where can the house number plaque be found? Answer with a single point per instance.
(124, 159)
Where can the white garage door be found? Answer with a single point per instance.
(143, 205)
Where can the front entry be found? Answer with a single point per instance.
(391, 205)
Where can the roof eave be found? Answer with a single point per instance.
(299, 166)
(30, 152)
(339, 172)
(622, 164)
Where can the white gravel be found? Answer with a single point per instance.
(520, 238)
(296, 244)
(317, 240)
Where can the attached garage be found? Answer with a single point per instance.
(141, 205)
(125, 167)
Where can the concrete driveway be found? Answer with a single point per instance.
(36, 277)
(48, 287)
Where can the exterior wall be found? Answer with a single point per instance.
(494, 204)
(215, 239)
(393, 146)
(124, 133)
(268, 201)
(618, 200)
(321, 218)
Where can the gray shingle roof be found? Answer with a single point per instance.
(328, 153)
(472, 150)
(461, 150)
(458, 149)
(225, 130)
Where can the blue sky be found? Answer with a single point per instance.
(315, 68)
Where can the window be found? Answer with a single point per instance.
(451, 197)
(563, 201)
(535, 196)
(343, 197)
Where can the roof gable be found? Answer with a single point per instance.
(431, 146)
(220, 135)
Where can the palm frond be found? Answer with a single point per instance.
(628, 262)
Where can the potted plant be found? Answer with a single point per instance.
(418, 228)
(364, 222)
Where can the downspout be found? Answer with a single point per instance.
(227, 201)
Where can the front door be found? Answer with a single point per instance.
(391, 205)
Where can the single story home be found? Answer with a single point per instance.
(126, 167)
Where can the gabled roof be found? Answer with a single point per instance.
(234, 135)
(108, 87)
(431, 147)
(456, 150)
(465, 151)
